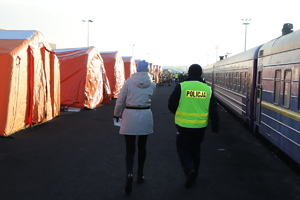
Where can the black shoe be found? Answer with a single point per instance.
(128, 187)
(190, 179)
(140, 179)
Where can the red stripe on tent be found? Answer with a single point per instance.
(31, 84)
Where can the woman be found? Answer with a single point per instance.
(133, 106)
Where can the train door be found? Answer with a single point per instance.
(258, 97)
(248, 85)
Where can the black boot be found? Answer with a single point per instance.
(128, 186)
(140, 178)
(190, 179)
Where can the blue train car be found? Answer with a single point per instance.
(277, 100)
(234, 81)
(208, 74)
(261, 86)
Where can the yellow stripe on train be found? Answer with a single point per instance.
(288, 113)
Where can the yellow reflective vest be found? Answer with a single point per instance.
(193, 108)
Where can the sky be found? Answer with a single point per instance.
(164, 32)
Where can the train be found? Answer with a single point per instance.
(261, 87)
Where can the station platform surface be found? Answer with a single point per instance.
(80, 155)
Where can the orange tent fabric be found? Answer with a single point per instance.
(114, 66)
(129, 66)
(30, 82)
(157, 73)
(151, 66)
(83, 78)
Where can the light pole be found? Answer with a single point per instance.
(217, 53)
(148, 56)
(88, 29)
(132, 49)
(246, 22)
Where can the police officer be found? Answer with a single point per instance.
(193, 104)
(176, 78)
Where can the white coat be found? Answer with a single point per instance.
(137, 91)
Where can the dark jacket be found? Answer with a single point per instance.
(213, 107)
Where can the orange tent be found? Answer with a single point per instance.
(30, 81)
(129, 66)
(83, 78)
(157, 73)
(114, 66)
(151, 66)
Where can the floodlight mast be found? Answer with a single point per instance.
(246, 22)
(88, 29)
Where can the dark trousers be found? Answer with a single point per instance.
(189, 149)
(130, 152)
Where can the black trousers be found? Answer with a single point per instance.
(130, 152)
(189, 148)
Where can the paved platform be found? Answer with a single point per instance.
(81, 156)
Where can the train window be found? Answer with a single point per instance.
(227, 80)
(299, 94)
(234, 81)
(238, 81)
(242, 86)
(248, 82)
(221, 79)
(245, 82)
(277, 82)
(261, 53)
(259, 78)
(287, 88)
(241, 82)
(230, 81)
(215, 81)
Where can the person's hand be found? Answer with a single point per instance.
(117, 118)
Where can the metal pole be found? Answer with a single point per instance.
(88, 33)
(217, 53)
(88, 30)
(245, 37)
(247, 22)
(132, 50)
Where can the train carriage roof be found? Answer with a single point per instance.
(282, 44)
(244, 56)
(208, 68)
